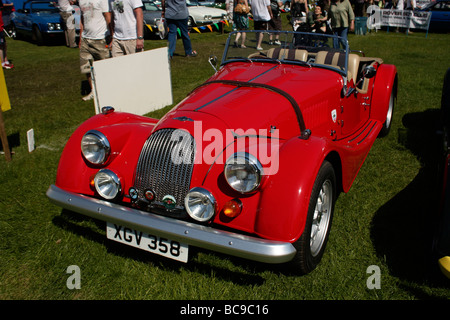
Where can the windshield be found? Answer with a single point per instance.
(192, 3)
(150, 6)
(308, 49)
(41, 7)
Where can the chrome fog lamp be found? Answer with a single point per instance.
(200, 204)
(107, 184)
(243, 172)
(95, 147)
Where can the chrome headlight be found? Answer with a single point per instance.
(107, 184)
(95, 147)
(200, 204)
(243, 172)
(53, 26)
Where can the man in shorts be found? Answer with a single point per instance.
(262, 14)
(94, 24)
(127, 27)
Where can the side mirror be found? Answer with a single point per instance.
(213, 62)
(369, 72)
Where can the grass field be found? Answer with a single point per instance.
(386, 220)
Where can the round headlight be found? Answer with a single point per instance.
(243, 172)
(200, 204)
(107, 184)
(95, 147)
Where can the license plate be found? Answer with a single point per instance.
(148, 242)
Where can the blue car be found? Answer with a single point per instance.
(440, 15)
(40, 20)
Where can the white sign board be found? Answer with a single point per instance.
(397, 18)
(136, 83)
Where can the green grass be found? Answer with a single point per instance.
(385, 219)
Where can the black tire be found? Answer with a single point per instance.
(191, 22)
(37, 36)
(310, 248)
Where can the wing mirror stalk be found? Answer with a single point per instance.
(213, 62)
(368, 72)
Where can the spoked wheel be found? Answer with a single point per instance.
(311, 245)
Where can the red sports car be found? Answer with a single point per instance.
(249, 164)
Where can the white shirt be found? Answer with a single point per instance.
(260, 11)
(94, 23)
(65, 6)
(124, 18)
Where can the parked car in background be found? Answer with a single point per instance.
(200, 15)
(249, 164)
(207, 3)
(41, 21)
(440, 15)
(152, 14)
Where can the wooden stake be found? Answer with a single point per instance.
(4, 138)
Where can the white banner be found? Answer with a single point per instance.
(397, 18)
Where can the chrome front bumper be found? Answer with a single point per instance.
(234, 244)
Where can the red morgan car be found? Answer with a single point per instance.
(249, 164)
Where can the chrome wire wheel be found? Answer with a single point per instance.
(311, 244)
(321, 218)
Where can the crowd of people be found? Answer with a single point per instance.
(110, 28)
(302, 16)
(124, 21)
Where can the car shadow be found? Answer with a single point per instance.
(94, 230)
(402, 229)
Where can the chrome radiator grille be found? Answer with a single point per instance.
(165, 165)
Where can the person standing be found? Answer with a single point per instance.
(94, 24)
(275, 23)
(262, 14)
(299, 11)
(410, 5)
(342, 19)
(176, 14)
(4, 59)
(127, 27)
(229, 6)
(66, 12)
(241, 23)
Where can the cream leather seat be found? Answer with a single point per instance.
(288, 54)
(337, 59)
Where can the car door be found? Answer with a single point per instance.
(354, 112)
(440, 15)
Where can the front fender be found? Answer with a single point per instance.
(285, 197)
(126, 134)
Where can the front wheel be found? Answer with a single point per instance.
(37, 36)
(311, 245)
